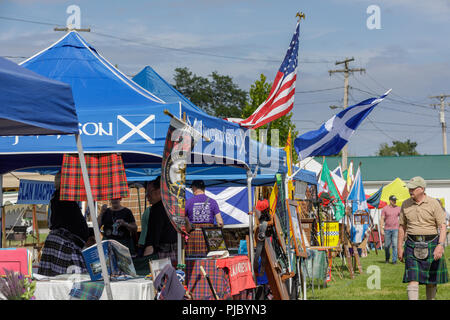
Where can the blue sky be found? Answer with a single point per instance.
(242, 39)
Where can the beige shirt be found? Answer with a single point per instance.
(423, 218)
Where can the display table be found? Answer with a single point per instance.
(58, 288)
(219, 271)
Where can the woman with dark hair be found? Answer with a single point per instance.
(68, 234)
(118, 224)
(201, 212)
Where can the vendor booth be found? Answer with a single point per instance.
(118, 116)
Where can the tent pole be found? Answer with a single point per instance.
(3, 215)
(179, 244)
(379, 230)
(250, 218)
(90, 201)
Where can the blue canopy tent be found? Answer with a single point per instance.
(31, 104)
(117, 115)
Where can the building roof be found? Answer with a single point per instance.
(387, 168)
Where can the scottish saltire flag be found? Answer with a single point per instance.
(281, 97)
(357, 195)
(232, 201)
(358, 232)
(334, 134)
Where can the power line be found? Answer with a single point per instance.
(315, 102)
(308, 61)
(384, 88)
(392, 99)
(319, 90)
(384, 107)
(29, 21)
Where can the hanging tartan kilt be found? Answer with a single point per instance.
(196, 245)
(59, 253)
(426, 271)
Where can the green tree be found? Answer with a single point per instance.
(218, 96)
(398, 148)
(259, 91)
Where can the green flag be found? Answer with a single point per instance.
(328, 182)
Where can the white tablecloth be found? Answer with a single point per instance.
(132, 289)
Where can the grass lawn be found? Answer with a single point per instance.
(391, 285)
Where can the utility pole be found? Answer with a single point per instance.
(72, 29)
(442, 118)
(346, 72)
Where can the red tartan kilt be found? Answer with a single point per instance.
(196, 243)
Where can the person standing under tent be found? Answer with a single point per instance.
(159, 235)
(389, 228)
(201, 212)
(69, 232)
(422, 220)
(118, 224)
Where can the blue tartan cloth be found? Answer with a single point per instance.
(87, 290)
(425, 271)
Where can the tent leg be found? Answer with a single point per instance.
(179, 248)
(90, 201)
(250, 219)
(2, 216)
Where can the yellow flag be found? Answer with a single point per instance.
(288, 150)
(273, 200)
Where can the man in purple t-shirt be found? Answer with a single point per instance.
(200, 213)
(200, 208)
(389, 228)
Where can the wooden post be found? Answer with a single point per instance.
(3, 227)
(35, 224)
(357, 261)
(349, 261)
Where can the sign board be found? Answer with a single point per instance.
(35, 192)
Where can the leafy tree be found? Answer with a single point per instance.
(197, 89)
(398, 148)
(218, 96)
(259, 91)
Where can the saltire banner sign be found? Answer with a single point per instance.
(180, 140)
(334, 134)
(232, 201)
(357, 195)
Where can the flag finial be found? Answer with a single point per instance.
(300, 15)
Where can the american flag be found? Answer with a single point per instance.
(281, 97)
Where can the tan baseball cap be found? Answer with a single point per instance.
(416, 182)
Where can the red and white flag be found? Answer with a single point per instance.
(281, 97)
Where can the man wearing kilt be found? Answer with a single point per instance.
(159, 236)
(422, 222)
(68, 234)
(201, 211)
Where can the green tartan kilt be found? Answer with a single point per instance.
(424, 271)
